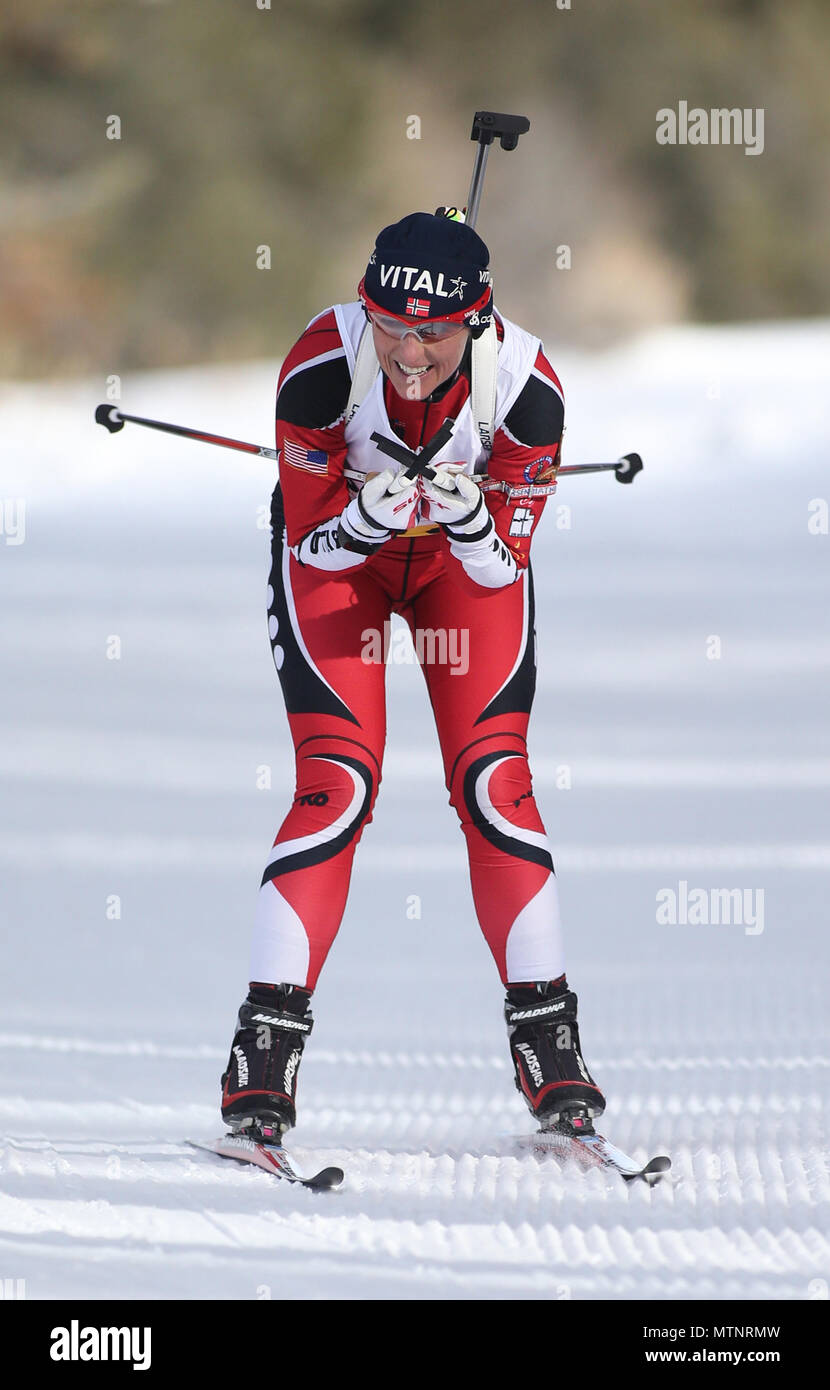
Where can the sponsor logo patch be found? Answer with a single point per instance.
(290, 1072)
(541, 1012)
(532, 1063)
(423, 283)
(541, 470)
(294, 1025)
(241, 1066)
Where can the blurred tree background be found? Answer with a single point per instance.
(289, 126)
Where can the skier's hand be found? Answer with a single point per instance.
(385, 504)
(457, 503)
(388, 500)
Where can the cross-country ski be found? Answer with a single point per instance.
(595, 1151)
(271, 1157)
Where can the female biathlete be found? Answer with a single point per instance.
(356, 539)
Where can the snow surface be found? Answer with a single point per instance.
(137, 777)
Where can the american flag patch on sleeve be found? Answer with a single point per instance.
(312, 460)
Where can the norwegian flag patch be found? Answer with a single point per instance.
(419, 308)
(312, 460)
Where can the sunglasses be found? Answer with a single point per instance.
(435, 331)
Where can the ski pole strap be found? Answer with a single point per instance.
(347, 541)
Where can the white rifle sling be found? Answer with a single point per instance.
(484, 367)
(366, 368)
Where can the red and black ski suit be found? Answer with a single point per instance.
(335, 697)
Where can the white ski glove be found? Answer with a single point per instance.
(385, 504)
(457, 503)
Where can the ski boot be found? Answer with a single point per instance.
(550, 1072)
(260, 1082)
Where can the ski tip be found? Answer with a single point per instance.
(325, 1180)
(653, 1171)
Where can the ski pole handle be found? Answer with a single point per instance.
(415, 463)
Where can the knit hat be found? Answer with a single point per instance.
(429, 266)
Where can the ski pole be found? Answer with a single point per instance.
(113, 420)
(625, 468)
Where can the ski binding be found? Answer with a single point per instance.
(573, 1136)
